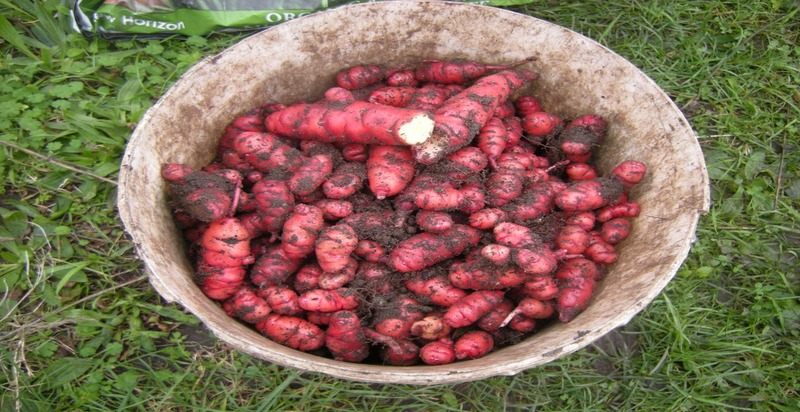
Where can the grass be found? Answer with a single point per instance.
(81, 329)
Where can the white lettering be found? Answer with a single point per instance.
(274, 17)
(99, 16)
(280, 17)
(158, 25)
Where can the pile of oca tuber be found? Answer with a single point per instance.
(423, 214)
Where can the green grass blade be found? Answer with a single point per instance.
(48, 29)
(18, 6)
(10, 34)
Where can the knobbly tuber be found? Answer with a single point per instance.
(402, 77)
(439, 352)
(310, 175)
(433, 221)
(395, 96)
(345, 181)
(333, 209)
(487, 218)
(397, 352)
(492, 139)
(431, 327)
(437, 289)
(389, 170)
(203, 195)
(580, 137)
(472, 307)
(576, 281)
(280, 299)
(246, 305)
(274, 201)
(292, 331)
(427, 249)
(340, 277)
(540, 125)
(357, 77)
(396, 318)
(224, 257)
(473, 344)
(301, 230)
(334, 247)
(494, 319)
(460, 119)
(273, 267)
(324, 300)
(480, 275)
(345, 338)
(266, 152)
(464, 163)
(526, 105)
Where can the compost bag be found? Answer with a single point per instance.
(120, 19)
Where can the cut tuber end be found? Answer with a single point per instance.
(416, 131)
(431, 150)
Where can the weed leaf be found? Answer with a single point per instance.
(66, 370)
(754, 164)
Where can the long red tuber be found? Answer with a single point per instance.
(453, 71)
(353, 122)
